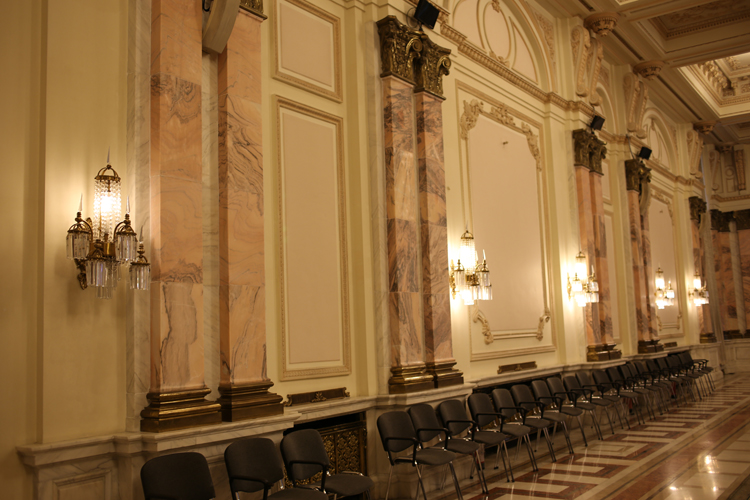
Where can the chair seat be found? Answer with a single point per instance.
(435, 456)
(555, 417)
(572, 410)
(629, 394)
(601, 402)
(347, 485)
(582, 405)
(516, 430)
(537, 423)
(490, 438)
(462, 446)
(298, 494)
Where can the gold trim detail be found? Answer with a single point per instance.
(406, 379)
(648, 69)
(254, 6)
(346, 367)
(246, 401)
(316, 396)
(399, 47)
(168, 411)
(337, 93)
(704, 127)
(443, 373)
(516, 367)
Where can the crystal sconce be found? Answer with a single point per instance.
(100, 246)
(470, 281)
(699, 294)
(664, 295)
(583, 288)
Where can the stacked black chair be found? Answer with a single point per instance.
(180, 476)
(305, 456)
(398, 435)
(627, 390)
(633, 382)
(254, 464)
(664, 378)
(534, 416)
(609, 391)
(650, 381)
(693, 371)
(702, 365)
(552, 409)
(573, 406)
(589, 395)
(682, 383)
(512, 418)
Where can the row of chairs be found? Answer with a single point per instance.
(255, 464)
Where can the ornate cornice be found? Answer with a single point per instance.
(399, 46)
(636, 174)
(254, 6)
(742, 217)
(704, 127)
(432, 64)
(697, 208)
(589, 150)
(601, 23)
(720, 221)
(648, 69)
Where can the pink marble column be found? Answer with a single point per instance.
(588, 246)
(724, 273)
(639, 275)
(698, 210)
(600, 256)
(743, 234)
(650, 277)
(433, 226)
(242, 320)
(177, 392)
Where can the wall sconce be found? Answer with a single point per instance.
(664, 295)
(470, 281)
(100, 246)
(699, 294)
(584, 289)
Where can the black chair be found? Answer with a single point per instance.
(180, 476)
(633, 382)
(608, 390)
(702, 365)
(690, 369)
(626, 391)
(552, 410)
(397, 434)
(589, 395)
(254, 464)
(453, 414)
(510, 416)
(573, 406)
(305, 455)
(534, 416)
(651, 382)
(673, 373)
(664, 379)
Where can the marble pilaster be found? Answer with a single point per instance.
(724, 273)
(242, 321)
(648, 268)
(407, 357)
(743, 235)
(639, 276)
(433, 226)
(177, 390)
(697, 210)
(588, 246)
(601, 265)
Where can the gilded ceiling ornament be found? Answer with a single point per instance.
(496, 5)
(724, 148)
(597, 54)
(697, 207)
(469, 117)
(399, 46)
(430, 67)
(254, 6)
(704, 127)
(715, 76)
(549, 34)
(601, 23)
(695, 150)
(501, 114)
(648, 69)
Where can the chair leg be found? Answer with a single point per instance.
(480, 473)
(567, 436)
(421, 483)
(532, 457)
(606, 412)
(455, 482)
(549, 445)
(387, 488)
(580, 424)
(509, 468)
(595, 425)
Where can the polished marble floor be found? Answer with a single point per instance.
(698, 451)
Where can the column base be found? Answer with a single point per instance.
(168, 411)
(708, 338)
(410, 379)
(602, 352)
(648, 346)
(732, 334)
(443, 373)
(247, 401)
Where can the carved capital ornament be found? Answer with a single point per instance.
(399, 46)
(636, 175)
(602, 23)
(254, 6)
(704, 127)
(648, 69)
(697, 208)
(432, 64)
(589, 150)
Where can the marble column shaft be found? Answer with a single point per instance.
(588, 245)
(242, 319)
(744, 240)
(698, 265)
(177, 363)
(600, 258)
(650, 277)
(434, 238)
(639, 275)
(402, 236)
(729, 302)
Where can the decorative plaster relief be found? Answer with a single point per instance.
(695, 150)
(636, 97)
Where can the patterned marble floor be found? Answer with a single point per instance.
(695, 452)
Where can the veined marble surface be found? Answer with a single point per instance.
(600, 257)
(588, 245)
(639, 275)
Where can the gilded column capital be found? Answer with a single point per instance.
(742, 217)
(598, 153)
(601, 23)
(720, 221)
(254, 6)
(725, 148)
(589, 150)
(697, 207)
(636, 174)
(399, 46)
(430, 67)
(648, 69)
(704, 127)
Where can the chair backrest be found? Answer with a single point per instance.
(614, 373)
(180, 476)
(305, 445)
(556, 386)
(640, 367)
(452, 411)
(662, 362)
(672, 362)
(396, 431)
(480, 402)
(653, 367)
(584, 379)
(571, 382)
(541, 391)
(628, 371)
(253, 457)
(504, 399)
(601, 378)
(521, 393)
(423, 417)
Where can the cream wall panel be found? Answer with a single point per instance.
(315, 302)
(498, 31)
(663, 253)
(523, 62)
(308, 47)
